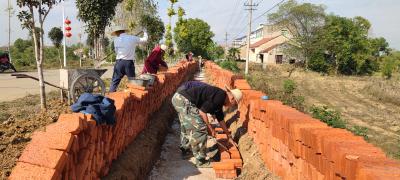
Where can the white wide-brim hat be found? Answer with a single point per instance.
(117, 28)
(236, 93)
(163, 47)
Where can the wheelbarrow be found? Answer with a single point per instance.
(76, 82)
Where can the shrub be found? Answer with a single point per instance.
(229, 65)
(389, 65)
(289, 86)
(330, 117)
(359, 131)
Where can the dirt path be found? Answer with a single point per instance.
(12, 88)
(171, 166)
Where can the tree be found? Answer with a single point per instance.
(303, 21)
(27, 16)
(56, 36)
(215, 51)
(193, 35)
(97, 15)
(155, 29)
(344, 45)
(130, 12)
(233, 54)
(168, 35)
(390, 63)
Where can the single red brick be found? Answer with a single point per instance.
(223, 166)
(23, 171)
(225, 155)
(59, 141)
(37, 154)
(237, 162)
(235, 155)
(68, 124)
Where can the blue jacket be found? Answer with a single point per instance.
(102, 108)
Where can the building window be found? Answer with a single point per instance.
(279, 59)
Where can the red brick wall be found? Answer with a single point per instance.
(76, 148)
(293, 145)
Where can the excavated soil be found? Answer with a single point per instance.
(253, 165)
(18, 120)
(139, 157)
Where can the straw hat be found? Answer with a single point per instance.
(117, 28)
(236, 93)
(163, 47)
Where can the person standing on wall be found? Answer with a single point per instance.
(155, 59)
(125, 46)
(193, 105)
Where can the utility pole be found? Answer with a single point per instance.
(9, 8)
(64, 39)
(250, 7)
(226, 44)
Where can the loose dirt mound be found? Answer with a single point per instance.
(18, 120)
(253, 165)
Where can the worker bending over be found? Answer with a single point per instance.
(193, 104)
(155, 59)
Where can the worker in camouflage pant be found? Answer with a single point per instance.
(193, 129)
(193, 104)
(185, 146)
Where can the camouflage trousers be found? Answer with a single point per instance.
(193, 129)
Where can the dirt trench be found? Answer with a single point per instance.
(155, 153)
(139, 157)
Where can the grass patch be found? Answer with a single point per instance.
(329, 116)
(359, 131)
(287, 93)
(384, 91)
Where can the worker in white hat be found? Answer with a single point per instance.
(125, 46)
(155, 60)
(192, 105)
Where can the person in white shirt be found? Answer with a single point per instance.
(125, 46)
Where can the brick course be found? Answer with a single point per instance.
(293, 145)
(75, 147)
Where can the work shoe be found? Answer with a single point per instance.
(185, 153)
(203, 163)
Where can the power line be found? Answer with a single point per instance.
(242, 30)
(259, 2)
(270, 9)
(234, 9)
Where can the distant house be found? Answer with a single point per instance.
(266, 45)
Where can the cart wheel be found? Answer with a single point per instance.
(13, 68)
(86, 83)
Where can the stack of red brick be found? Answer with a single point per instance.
(218, 76)
(293, 145)
(76, 148)
(231, 162)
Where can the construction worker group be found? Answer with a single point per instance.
(198, 104)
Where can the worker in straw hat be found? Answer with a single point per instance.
(192, 106)
(125, 46)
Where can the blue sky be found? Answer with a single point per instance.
(229, 16)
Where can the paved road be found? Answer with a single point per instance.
(12, 88)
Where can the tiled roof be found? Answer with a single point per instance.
(270, 48)
(261, 42)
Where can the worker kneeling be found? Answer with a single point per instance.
(192, 105)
